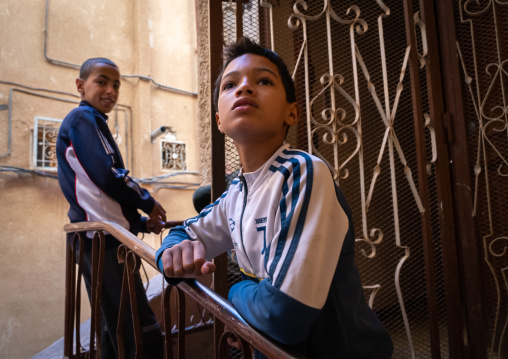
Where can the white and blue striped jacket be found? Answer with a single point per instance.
(288, 228)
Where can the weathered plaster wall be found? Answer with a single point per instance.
(153, 38)
(204, 90)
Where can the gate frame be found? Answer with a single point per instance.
(465, 224)
(461, 258)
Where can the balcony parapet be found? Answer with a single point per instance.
(132, 247)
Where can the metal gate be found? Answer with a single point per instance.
(474, 66)
(369, 79)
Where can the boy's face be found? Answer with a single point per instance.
(252, 104)
(101, 88)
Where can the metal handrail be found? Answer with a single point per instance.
(219, 307)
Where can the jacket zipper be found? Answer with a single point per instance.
(245, 195)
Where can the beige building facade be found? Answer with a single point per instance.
(155, 45)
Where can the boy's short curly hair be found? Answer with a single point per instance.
(247, 46)
(87, 67)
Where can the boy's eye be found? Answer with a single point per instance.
(227, 86)
(265, 81)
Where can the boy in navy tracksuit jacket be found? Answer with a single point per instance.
(96, 184)
(288, 223)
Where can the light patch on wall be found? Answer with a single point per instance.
(9, 328)
(150, 40)
(5, 10)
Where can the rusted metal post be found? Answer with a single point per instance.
(168, 342)
(466, 227)
(218, 150)
(77, 298)
(437, 113)
(69, 296)
(98, 252)
(239, 19)
(422, 179)
(181, 323)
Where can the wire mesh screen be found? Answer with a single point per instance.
(482, 38)
(349, 63)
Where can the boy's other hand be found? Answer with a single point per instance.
(233, 341)
(186, 260)
(154, 225)
(158, 212)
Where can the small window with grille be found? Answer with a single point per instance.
(173, 155)
(44, 143)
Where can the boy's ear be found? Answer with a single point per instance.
(80, 85)
(217, 120)
(294, 114)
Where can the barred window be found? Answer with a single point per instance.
(44, 143)
(173, 155)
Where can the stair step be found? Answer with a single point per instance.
(55, 350)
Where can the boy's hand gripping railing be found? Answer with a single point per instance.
(130, 252)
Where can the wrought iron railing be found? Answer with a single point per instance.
(130, 252)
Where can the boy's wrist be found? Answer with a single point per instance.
(143, 225)
(148, 205)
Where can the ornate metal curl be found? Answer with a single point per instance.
(476, 2)
(132, 264)
(433, 144)
(371, 240)
(179, 326)
(375, 288)
(422, 57)
(490, 249)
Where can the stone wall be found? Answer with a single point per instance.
(204, 90)
(153, 38)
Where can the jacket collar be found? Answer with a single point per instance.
(85, 103)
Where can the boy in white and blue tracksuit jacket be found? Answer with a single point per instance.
(288, 223)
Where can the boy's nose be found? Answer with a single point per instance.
(245, 87)
(110, 89)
